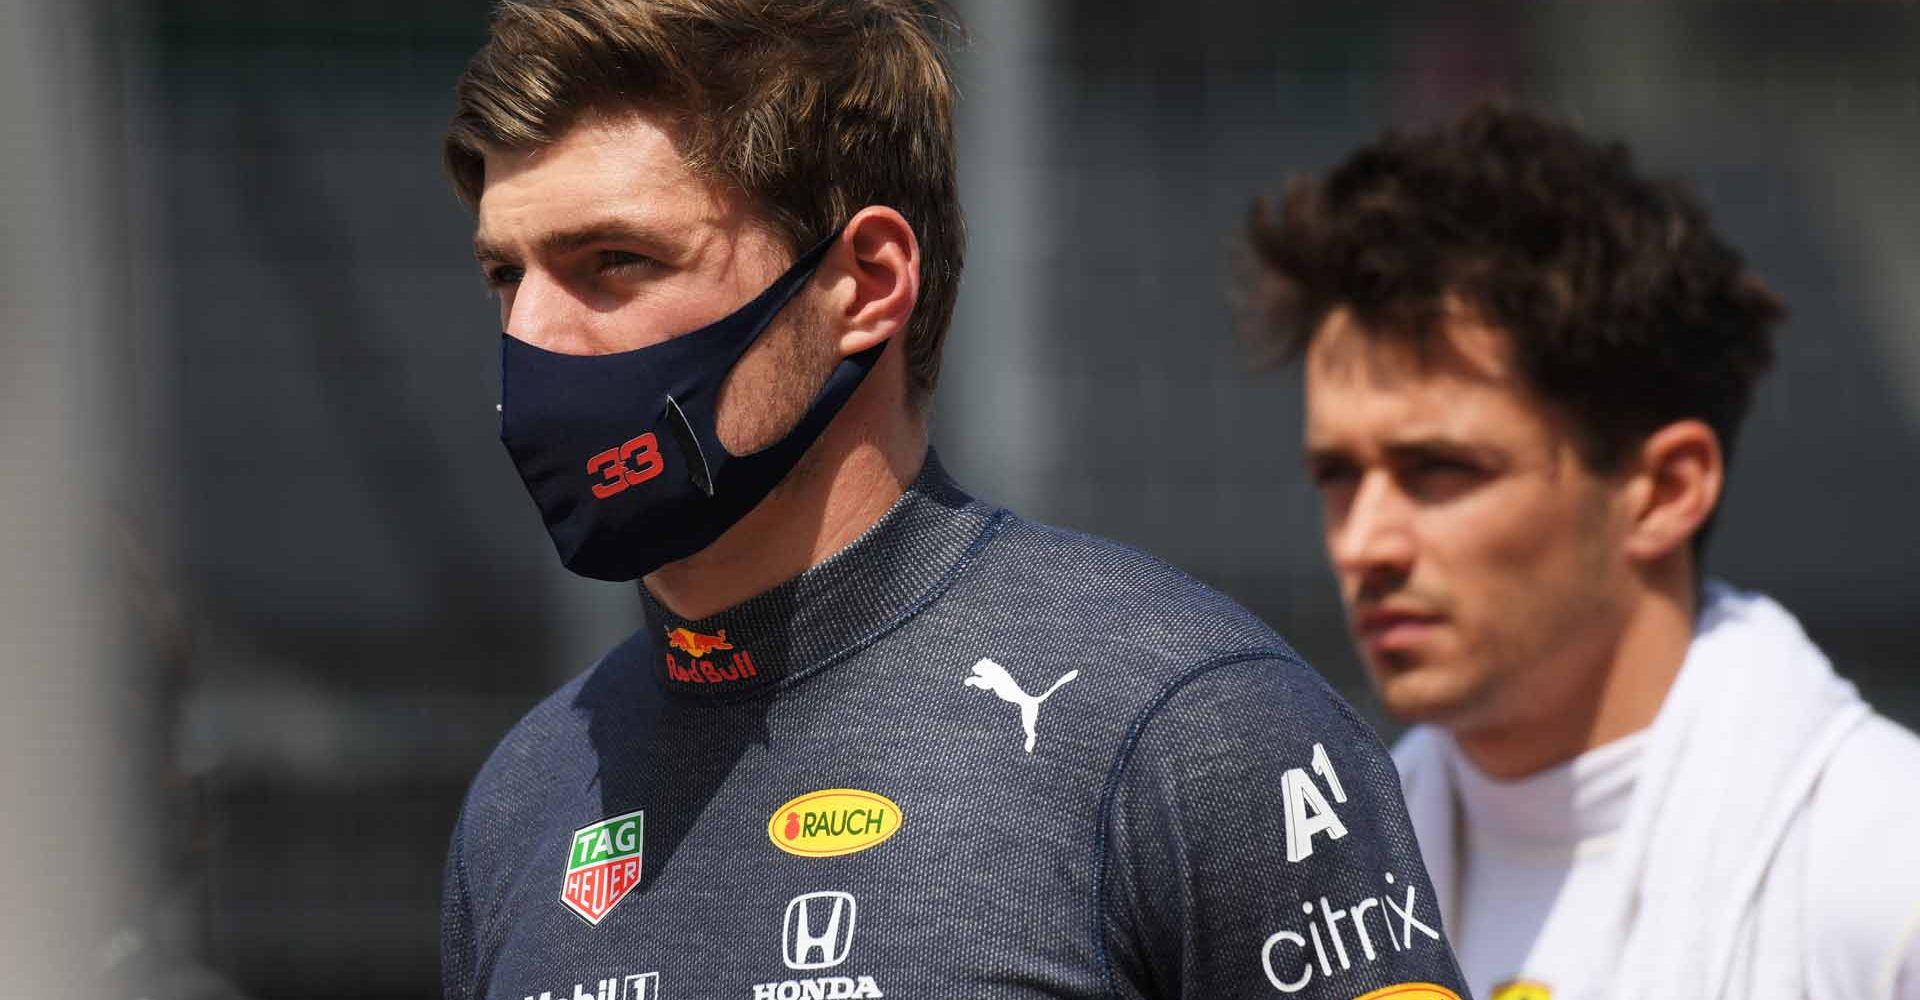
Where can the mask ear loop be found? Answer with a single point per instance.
(689, 445)
(782, 291)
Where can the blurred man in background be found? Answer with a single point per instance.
(876, 737)
(1525, 368)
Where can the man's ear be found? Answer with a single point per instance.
(873, 278)
(1680, 473)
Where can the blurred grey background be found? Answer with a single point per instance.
(349, 597)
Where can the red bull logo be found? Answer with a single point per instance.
(697, 644)
(737, 668)
(699, 665)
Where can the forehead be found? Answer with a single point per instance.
(628, 166)
(1462, 385)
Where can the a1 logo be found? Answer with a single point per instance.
(1308, 812)
(630, 464)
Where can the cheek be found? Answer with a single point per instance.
(1533, 574)
(1526, 531)
(769, 390)
(1496, 557)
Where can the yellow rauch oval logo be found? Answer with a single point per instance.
(832, 822)
(1412, 991)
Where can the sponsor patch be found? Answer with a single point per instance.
(1522, 989)
(1332, 940)
(832, 822)
(822, 988)
(708, 659)
(1309, 814)
(644, 986)
(990, 676)
(816, 935)
(603, 865)
(1412, 991)
(697, 644)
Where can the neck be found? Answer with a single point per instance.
(1617, 695)
(844, 483)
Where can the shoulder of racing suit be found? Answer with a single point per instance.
(1108, 596)
(1260, 846)
(1255, 841)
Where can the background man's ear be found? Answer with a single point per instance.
(1683, 471)
(873, 278)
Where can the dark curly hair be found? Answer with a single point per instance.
(1624, 309)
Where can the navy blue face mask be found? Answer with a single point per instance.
(620, 451)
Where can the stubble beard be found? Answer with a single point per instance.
(775, 382)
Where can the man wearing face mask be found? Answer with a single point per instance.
(876, 737)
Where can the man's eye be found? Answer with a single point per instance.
(501, 277)
(1327, 475)
(1444, 466)
(1437, 480)
(624, 260)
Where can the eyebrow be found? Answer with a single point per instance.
(1408, 447)
(562, 241)
(1434, 445)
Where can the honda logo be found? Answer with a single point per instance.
(819, 930)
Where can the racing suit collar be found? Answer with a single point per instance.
(831, 610)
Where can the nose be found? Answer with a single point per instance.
(541, 311)
(1372, 536)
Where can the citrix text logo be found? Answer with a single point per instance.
(603, 864)
(645, 986)
(1308, 813)
(1290, 963)
(631, 464)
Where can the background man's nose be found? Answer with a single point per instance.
(1373, 535)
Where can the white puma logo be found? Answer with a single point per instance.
(991, 676)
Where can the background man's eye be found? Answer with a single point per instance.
(1331, 475)
(501, 277)
(1440, 479)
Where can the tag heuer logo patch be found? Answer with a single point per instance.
(603, 865)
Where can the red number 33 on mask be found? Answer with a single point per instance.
(630, 464)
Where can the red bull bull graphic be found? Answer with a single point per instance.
(697, 644)
(699, 666)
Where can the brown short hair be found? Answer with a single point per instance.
(814, 108)
(1624, 309)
